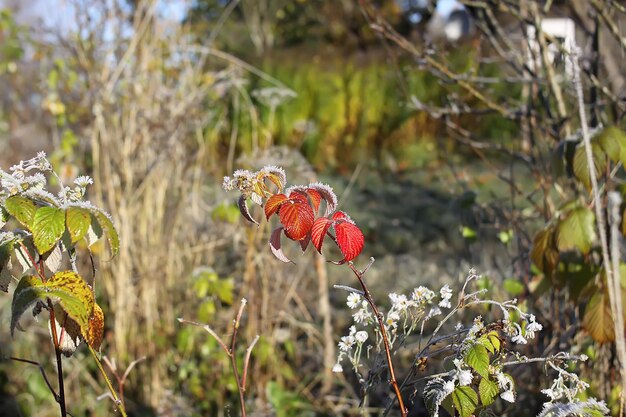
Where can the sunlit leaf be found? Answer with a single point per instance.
(327, 193)
(513, 287)
(71, 291)
(465, 400)
(48, 227)
(297, 218)
(105, 222)
(95, 330)
(488, 391)
(318, 232)
(22, 208)
(349, 238)
(576, 230)
(275, 245)
(477, 358)
(54, 258)
(273, 203)
(613, 141)
(434, 395)
(77, 221)
(544, 254)
(598, 320)
(315, 197)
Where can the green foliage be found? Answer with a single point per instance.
(477, 358)
(488, 391)
(465, 401)
(48, 227)
(287, 403)
(576, 230)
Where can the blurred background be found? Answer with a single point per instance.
(442, 127)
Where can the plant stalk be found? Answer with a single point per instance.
(59, 359)
(116, 399)
(392, 375)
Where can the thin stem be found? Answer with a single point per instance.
(392, 375)
(246, 362)
(43, 373)
(118, 402)
(233, 358)
(59, 359)
(210, 331)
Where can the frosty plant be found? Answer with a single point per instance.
(39, 236)
(476, 356)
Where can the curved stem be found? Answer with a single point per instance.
(116, 399)
(392, 375)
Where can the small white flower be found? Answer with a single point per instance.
(459, 326)
(83, 181)
(508, 396)
(435, 311)
(445, 292)
(354, 300)
(362, 316)
(465, 377)
(583, 357)
(337, 368)
(361, 336)
(422, 294)
(504, 381)
(519, 339)
(346, 343)
(445, 304)
(399, 302)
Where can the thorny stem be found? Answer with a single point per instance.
(368, 297)
(116, 399)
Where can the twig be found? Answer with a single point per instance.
(59, 359)
(379, 317)
(231, 352)
(43, 373)
(114, 396)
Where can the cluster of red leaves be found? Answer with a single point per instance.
(298, 211)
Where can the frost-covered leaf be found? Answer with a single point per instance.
(275, 245)
(71, 291)
(434, 394)
(22, 208)
(327, 193)
(488, 391)
(48, 227)
(77, 221)
(576, 230)
(589, 408)
(465, 400)
(477, 358)
(598, 320)
(105, 222)
(4, 216)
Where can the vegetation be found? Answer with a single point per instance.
(501, 152)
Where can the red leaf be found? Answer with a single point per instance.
(349, 238)
(318, 232)
(297, 217)
(273, 203)
(299, 196)
(275, 245)
(245, 212)
(340, 215)
(315, 197)
(327, 193)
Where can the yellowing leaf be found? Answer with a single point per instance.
(48, 227)
(613, 141)
(577, 230)
(71, 291)
(543, 253)
(22, 208)
(598, 320)
(581, 167)
(94, 332)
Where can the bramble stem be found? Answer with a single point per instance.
(116, 399)
(57, 351)
(368, 297)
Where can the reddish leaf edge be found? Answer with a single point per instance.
(275, 246)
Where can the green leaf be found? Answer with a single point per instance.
(598, 320)
(22, 208)
(465, 401)
(581, 167)
(488, 391)
(468, 233)
(477, 358)
(4, 217)
(491, 341)
(576, 231)
(513, 287)
(612, 140)
(71, 291)
(77, 221)
(48, 227)
(107, 226)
